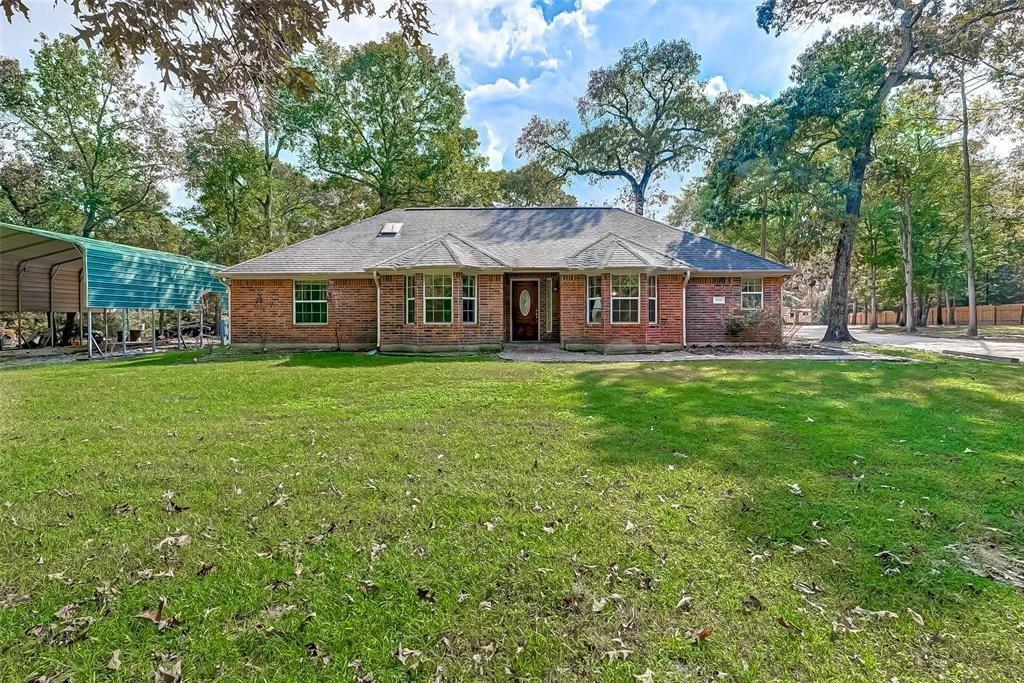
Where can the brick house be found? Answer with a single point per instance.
(426, 279)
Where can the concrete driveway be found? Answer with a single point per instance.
(920, 342)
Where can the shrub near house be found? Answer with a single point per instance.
(465, 279)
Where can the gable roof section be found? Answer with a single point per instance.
(612, 251)
(450, 250)
(561, 238)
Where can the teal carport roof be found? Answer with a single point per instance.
(42, 270)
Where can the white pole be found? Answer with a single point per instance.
(200, 323)
(124, 335)
(153, 318)
(89, 342)
(179, 331)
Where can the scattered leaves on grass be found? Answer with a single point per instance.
(789, 626)
(115, 661)
(168, 670)
(63, 634)
(752, 604)
(796, 490)
(916, 617)
(316, 652)
(170, 505)
(646, 677)
(845, 624)
(67, 611)
(598, 605)
(408, 658)
(879, 614)
(279, 585)
(122, 509)
(206, 568)
(176, 539)
(426, 595)
(699, 635)
(685, 603)
(14, 599)
(368, 587)
(156, 616)
(806, 589)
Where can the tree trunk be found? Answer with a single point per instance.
(939, 299)
(838, 330)
(874, 298)
(972, 295)
(764, 224)
(907, 256)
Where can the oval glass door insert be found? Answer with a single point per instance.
(524, 302)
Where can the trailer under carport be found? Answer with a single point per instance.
(51, 272)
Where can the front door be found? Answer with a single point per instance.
(524, 311)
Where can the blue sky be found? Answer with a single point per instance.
(515, 58)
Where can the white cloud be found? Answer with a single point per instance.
(495, 150)
(716, 85)
(501, 88)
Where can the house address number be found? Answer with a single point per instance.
(719, 300)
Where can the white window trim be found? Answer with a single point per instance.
(475, 298)
(325, 300)
(760, 293)
(654, 279)
(586, 286)
(612, 298)
(405, 286)
(438, 298)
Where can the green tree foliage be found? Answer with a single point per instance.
(533, 185)
(226, 52)
(907, 40)
(641, 118)
(387, 116)
(249, 201)
(85, 148)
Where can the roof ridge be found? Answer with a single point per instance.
(592, 244)
(473, 245)
(411, 249)
(655, 251)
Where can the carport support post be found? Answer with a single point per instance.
(200, 324)
(124, 335)
(154, 329)
(178, 341)
(89, 341)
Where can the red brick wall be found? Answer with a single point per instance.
(706, 320)
(542, 304)
(668, 329)
(488, 330)
(261, 313)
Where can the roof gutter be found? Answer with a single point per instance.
(685, 283)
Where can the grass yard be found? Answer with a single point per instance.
(342, 517)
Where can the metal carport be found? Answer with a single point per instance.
(52, 272)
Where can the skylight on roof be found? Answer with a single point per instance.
(391, 229)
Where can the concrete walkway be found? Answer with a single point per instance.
(552, 353)
(919, 342)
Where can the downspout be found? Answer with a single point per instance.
(376, 282)
(685, 283)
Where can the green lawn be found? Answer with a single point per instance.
(481, 519)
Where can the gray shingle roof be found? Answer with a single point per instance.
(503, 238)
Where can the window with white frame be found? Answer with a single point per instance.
(625, 298)
(652, 299)
(469, 299)
(309, 301)
(594, 299)
(437, 299)
(410, 299)
(752, 294)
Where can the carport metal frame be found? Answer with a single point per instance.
(153, 280)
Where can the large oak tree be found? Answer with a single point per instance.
(640, 119)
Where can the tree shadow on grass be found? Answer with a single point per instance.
(913, 460)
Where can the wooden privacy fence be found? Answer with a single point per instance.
(1003, 314)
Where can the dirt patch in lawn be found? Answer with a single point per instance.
(995, 562)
